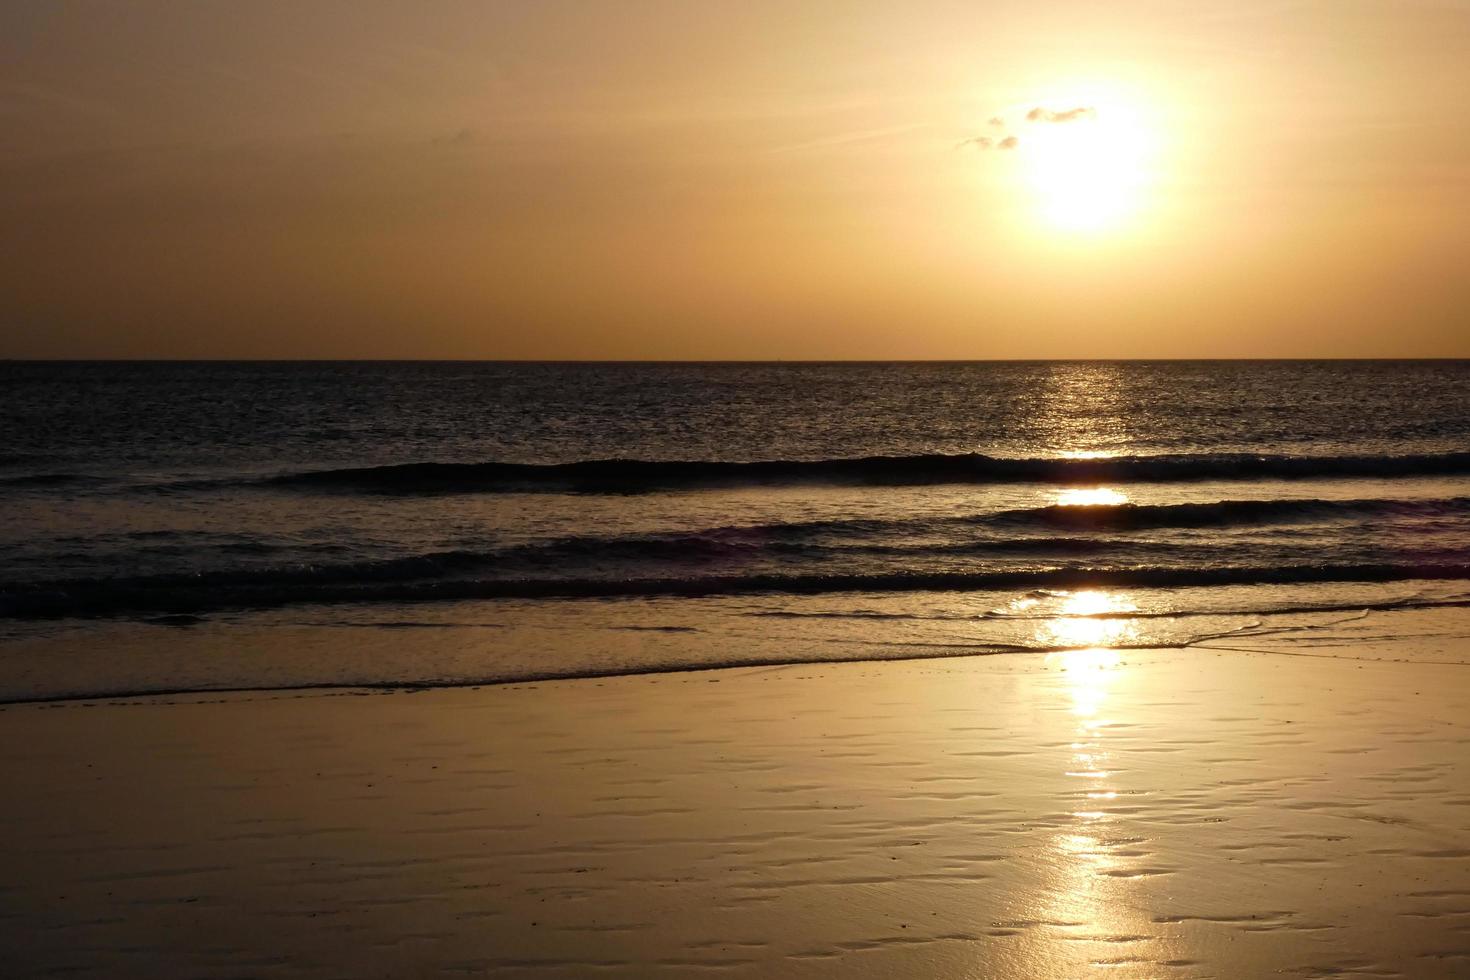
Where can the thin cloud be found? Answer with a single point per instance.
(1009, 143)
(846, 139)
(1060, 116)
(996, 121)
(463, 137)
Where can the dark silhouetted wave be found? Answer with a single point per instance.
(44, 480)
(267, 588)
(845, 532)
(1228, 513)
(632, 475)
(1020, 548)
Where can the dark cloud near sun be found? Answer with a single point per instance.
(1060, 116)
(1039, 114)
(989, 143)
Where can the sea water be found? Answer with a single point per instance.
(193, 526)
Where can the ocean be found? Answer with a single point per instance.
(181, 526)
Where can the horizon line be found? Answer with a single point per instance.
(671, 360)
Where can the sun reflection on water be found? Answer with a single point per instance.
(1090, 618)
(1090, 496)
(1087, 453)
(1082, 411)
(1089, 889)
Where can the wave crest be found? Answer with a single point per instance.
(629, 475)
(103, 598)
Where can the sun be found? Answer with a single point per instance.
(1087, 163)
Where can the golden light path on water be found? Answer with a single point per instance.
(1089, 890)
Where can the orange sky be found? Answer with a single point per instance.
(757, 180)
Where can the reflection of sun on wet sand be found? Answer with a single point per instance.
(1088, 890)
(1085, 893)
(1154, 813)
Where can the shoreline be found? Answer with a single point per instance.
(453, 647)
(215, 695)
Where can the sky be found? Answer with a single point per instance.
(690, 179)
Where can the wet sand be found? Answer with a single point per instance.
(1192, 813)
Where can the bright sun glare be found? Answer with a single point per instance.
(1091, 173)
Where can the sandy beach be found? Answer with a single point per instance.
(1191, 813)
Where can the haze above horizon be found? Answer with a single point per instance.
(670, 180)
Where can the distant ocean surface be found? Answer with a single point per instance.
(192, 526)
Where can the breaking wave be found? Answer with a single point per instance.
(633, 475)
(273, 588)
